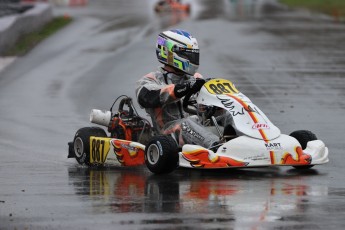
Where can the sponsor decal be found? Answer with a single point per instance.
(192, 132)
(160, 148)
(260, 126)
(182, 90)
(273, 146)
(228, 103)
(258, 157)
(130, 148)
(184, 49)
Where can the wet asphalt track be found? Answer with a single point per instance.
(290, 63)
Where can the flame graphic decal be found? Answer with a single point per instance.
(127, 154)
(302, 158)
(203, 159)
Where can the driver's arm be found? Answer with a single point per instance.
(152, 94)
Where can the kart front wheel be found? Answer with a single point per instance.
(161, 155)
(303, 137)
(81, 143)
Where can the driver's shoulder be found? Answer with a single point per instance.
(152, 76)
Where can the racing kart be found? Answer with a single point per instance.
(247, 139)
(171, 6)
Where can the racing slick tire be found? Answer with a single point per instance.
(161, 155)
(303, 137)
(81, 143)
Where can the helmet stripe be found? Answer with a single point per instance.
(186, 34)
(174, 40)
(182, 32)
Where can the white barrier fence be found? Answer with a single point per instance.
(61, 2)
(69, 2)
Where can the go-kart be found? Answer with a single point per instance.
(247, 139)
(169, 6)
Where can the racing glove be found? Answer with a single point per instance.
(194, 86)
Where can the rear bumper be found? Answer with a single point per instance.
(70, 150)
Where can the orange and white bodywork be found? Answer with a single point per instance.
(116, 152)
(260, 143)
(249, 152)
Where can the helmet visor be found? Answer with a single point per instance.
(190, 54)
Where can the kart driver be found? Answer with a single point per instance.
(160, 92)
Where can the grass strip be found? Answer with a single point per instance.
(334, 8)
(28, 41)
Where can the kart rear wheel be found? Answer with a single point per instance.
(161, 155)
(303, 137)
(81, 143)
